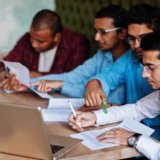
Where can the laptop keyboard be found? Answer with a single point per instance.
(56, 148)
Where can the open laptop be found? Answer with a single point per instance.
(23, 132)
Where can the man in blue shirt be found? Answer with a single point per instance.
(110, 33)
(149, 106)
(127, 69)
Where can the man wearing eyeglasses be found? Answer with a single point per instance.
(148, 106)
(109, 32)
(127, 69)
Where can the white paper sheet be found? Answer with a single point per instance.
(22, 74)
(90, 141)
(42, 95)
(63, 102)
(137, 127)
(59, 110)
(56, 114)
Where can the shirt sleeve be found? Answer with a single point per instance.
(114, 75)
(146, 107)
(73, 90)
(149, 147)
(79, 75)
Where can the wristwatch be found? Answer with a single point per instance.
(132, 141)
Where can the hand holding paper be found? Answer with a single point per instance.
(11, 83)
(21, 72)
(20, 78)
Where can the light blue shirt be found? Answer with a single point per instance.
(75, 80)
(126, 70)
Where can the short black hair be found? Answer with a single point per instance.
(47, 19)
(151, 42)
(144, 14)
(116, 12)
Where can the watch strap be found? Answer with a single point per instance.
(136, 136)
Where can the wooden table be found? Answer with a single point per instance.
(80, 152)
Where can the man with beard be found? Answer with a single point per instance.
(49, 47)
(110, 33)
(142, 19)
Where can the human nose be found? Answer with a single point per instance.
(137, 43)
(34, 44)
(97, 36)
(145, 73)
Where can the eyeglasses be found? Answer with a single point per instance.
(132, 39)
(102, 32)
(150, 68)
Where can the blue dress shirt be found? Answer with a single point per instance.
(75, 80)
(126, 69)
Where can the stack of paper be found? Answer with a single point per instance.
(59, 109)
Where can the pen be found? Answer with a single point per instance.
(104, 107)
(74, 113)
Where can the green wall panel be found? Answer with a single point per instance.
(79, 14)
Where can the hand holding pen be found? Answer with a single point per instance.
(74, 113)
(86, 119)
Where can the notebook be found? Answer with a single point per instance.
(23, 133)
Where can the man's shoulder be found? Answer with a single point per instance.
(25, 38)
(127, 56)
(154, 94)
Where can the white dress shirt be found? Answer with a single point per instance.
(46, 60)
(149, 147)
(147, 107)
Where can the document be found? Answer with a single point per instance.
(137, 127)
(21, 72)
(63, 102)
(42, 95)
(59, 109)
(22, 75)
(90, 140)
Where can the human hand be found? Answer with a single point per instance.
(47, 85)
(3, 75)
(11, 83)
(117, 135)
(86, 119)
(94, 94)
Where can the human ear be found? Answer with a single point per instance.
(122, 34)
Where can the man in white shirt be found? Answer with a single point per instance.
(147, 107)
